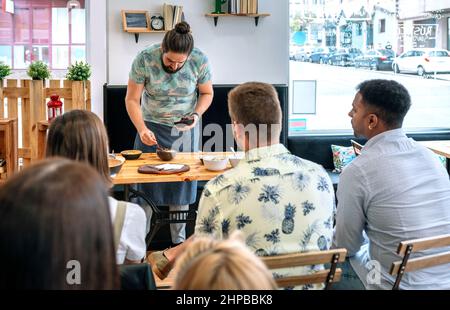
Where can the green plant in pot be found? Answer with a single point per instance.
(5, 70)
(80, 71)
(38, 70)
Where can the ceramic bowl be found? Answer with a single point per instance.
(115, 164)
(131, 154)
(166, 154)
(235, 159)
(215, 163)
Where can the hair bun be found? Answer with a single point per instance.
(182, 28)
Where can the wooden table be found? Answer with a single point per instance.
(129, 175)
(441, 147)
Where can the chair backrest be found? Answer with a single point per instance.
(405, 248)
(136, 277)
(327, 276)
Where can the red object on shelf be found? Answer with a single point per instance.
(54, 107)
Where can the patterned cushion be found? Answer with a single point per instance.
(342, 156)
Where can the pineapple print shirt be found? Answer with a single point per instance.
(282, 204)
(168, 96)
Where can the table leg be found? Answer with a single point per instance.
(159, 217)
(126, 192)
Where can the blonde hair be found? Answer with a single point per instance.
(208, 264)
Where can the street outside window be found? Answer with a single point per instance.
(337, 44)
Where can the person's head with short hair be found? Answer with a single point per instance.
(176, 46)
(209, 264)
(256, 115)
(55, 229)
(379, 106)
(80, 135)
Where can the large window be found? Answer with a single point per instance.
(43, 30)
(347, 42)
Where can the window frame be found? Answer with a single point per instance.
(30, 5)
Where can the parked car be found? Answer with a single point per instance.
(320, 55)
(293, 49)
(423, 61)
(354, 52)
(340, 58)
(302, 53)
(376, 59)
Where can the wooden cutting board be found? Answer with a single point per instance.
(152, 169)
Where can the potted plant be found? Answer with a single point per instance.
(5, 70)
(80, 71)
(38, 70)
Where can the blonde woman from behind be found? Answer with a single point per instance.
(209, 264)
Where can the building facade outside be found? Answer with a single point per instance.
(367, 24)
(423, 23)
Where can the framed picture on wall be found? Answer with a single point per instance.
(135, 20)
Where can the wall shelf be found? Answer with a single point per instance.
(255, 16)
(137, 32)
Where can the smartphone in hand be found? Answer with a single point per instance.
(186, 120)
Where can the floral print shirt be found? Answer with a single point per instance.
(168, 96)
(282, 203)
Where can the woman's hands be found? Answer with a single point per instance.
(147, 137)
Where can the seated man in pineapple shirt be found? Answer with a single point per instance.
(282, 203)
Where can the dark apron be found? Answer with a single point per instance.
(170, 193)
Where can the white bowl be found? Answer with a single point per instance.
(234, 160)
(215, 163)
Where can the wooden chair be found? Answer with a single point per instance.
(327, 276)
(405, 249)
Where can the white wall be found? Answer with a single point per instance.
(97, 52)
(238, 51)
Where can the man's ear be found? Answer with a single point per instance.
(237, 129)
(373, 121)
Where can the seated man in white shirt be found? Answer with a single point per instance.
(393, 191)
(282, 203)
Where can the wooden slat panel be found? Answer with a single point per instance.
(16, 92)
(43, 125)
(38, 113)
(26, 121)
(12, 101)
(303, 259)
(55, 84)
(88, 95)
(9, 133)
(67, 102)
(78, 96)
(318, 277)
(2, 102)
(24, 152)
(62, 92)
(42, 138)
(424, 243)
(422, 262)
